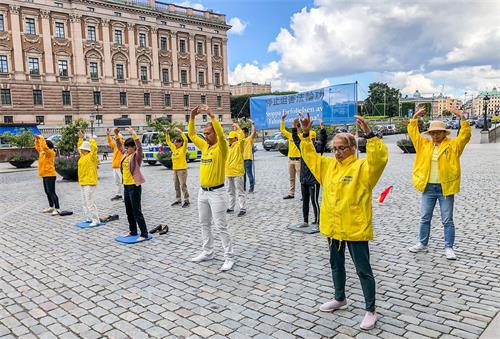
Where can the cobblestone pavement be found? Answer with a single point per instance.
(60, 281)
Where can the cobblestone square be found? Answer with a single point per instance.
(59, 281)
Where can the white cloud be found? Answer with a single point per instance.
(189, 4)
(239, 26)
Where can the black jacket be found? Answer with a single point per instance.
(306, 177)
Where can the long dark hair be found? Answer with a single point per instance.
(50, 144)
(129, 143)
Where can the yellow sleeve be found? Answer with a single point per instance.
(43, 145)
(463, 136)
(37, 145)
(414, 134)
(110, 141)
(93, 148)
(169, 143)
(377, 155)
(313, 160)
(283, 130)
(220, 136)
(185, 142)
(241, 139)
(199, 142)
(80, 142)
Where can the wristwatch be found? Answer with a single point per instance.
(369, 135)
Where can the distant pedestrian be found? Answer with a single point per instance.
(436, 173)
(248, 157)
(235, 171)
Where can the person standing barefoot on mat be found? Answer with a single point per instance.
(47, 171)
(212, 202)
(132, 181)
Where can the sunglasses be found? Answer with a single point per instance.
(340, 148)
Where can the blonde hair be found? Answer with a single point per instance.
(347, 138)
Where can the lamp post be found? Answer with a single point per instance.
(92, 118)
(486, 99)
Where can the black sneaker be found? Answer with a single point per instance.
(242, 213)
(289, 197)
(164, 230)
(175, 203)
(156, 229)
(185, 204)
(229, 210)
(116, 197)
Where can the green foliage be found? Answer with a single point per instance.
(375, 117)
(405, 106)
(69, 137)
(159, 126)
(24, 140)
(374, 103)
(239, 103)
(166, 155)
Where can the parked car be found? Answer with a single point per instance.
(273, 141)
(152, 145)
(55, 138)
(480, 122)
(455, 123)
(391, 129)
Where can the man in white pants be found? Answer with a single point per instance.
(235, 170)
(212, 202)
(116, 163)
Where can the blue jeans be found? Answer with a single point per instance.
(249, 173)
(433, 193)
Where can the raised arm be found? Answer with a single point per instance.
(219, 132)
(80, 142)
(138, 145)
(465, 133)
(323, 138)
(109, 140)
(283, 130)
(416, 138)
(254, 130)
(295, 133)
(199, 142)
(167, 139)
(314, 161)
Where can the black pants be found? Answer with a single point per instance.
(49, 186)
(310, 192)
(132, 198)
(360, 255)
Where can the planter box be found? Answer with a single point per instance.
(21, 163)
(407, 148)
(70, 174)
(7, 153)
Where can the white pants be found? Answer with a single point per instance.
(235, 189)
(88, 201)
(117, 176)
(212, 208)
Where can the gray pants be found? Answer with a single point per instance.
(235, 191)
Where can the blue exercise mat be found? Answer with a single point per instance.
(132, 239)
(84, 224)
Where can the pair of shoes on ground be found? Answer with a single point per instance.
(178, 202)
(288, 197)
(226, 266)
(161, 229)
(116, 197)
(241, 213)
(448, 251)
(51, 210)
(369, 321)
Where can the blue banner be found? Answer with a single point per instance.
(334, 105)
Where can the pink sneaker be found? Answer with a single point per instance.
(333, 305)
(369, 321)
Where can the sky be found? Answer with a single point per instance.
(434, 46)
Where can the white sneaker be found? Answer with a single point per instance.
(48, 210)
(88, 221)
(418, 248)
(55, 212)
(450, 254)
(94, 224)
(227, 265)
(202, 257)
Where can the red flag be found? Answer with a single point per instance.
(384, 194)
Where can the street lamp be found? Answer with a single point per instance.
(92, 118)
(486, 99)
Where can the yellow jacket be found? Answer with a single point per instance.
(87, 165)
(448, 158)
(346, 206)
(293, 151)
(248, 152)
(46, 158)
(213, 158)
(235, 166)
(178, 154)
(117, 155)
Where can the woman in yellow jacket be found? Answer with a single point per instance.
(87, 178)
(115, 163)
(346, 208)
(436, 173)
(179, 165)
(47, 171)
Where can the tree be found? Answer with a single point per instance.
(378, 94)
(69, 137)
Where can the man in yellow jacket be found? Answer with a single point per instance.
(346, 208)
(293, 158)
(212, 202)
(115, 163)
(87, 178)
(235, 170)
(436, 173)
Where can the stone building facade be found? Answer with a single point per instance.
(247, 87)
(96, 59)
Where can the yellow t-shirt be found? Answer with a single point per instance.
(434, 175)
(178, 154)
(293, 151)
(213, 158)
(234, 163)
(128, 179)
(248, 152)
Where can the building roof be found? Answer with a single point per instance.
(493, 93)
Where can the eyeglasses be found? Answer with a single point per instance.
(340, 148)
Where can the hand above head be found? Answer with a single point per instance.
(207, 109)
(80, 134)
(306, 123)
(116, 131)
(131, 130)
(107, 132)
(283, 115)
(362, 124)
(458, 113)
(321, 124)
(178, 130)
(296, 123)
(167, 129)
(419, 113)
(195, 111)
(235, 126)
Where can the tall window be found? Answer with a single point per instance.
(5, 96)
(40, 120)
(147, 99)
(144, 73)
(203, 99)
(164, 75)
(217, 79)
(2, 26)
(59, 30)
(4, 67)
(118, 37)
(219, 101)
(63, 68)
(168, 100)
(182, 46)
(66, 98)
(216, 50)
(97, 98)
(201, 78)
(91, 36)
(33, 66)
(8, 119)
(30, 26)
(163, 43)
(142, 40)
(123, 98)
(68, 119)
(199, 47)
(119, 72)
(148, 118)
(98, 119)
(184, 77)
(186, 100)
(37, 97)
(94, 74)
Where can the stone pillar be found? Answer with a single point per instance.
(78, 57)
(156, 60)
(192, 58)
(18, 60)
(47, 46)
(208, 48)
(131, 52)
(224, 64)
(108, 62)
(175, 65)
